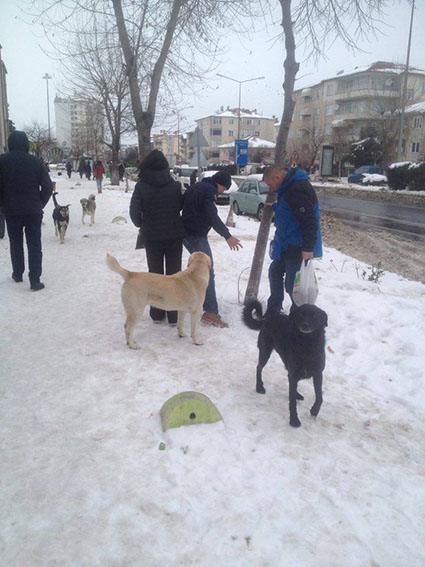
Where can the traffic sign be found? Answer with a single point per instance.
(241, 152)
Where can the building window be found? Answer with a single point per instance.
(415, 147)
(230, 132)
(216, 120)
(215, 154)
(327, 129)
(317, 111)
(329, 109)
(248, 121)
(417, 122)
(231, 121)
(330, 89)
(256, 133)
(410, 94)
(214, 132)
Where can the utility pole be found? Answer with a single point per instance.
(177, 112)
(239, 106)
(47, 77)
(404, 91)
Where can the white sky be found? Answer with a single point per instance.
(242, 59)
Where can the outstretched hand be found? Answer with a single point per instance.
(234, 243)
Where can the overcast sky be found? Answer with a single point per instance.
(242, 59)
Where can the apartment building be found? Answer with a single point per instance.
(339, 109)
(172, 145)
(414, 132)
(259, 151)
(79, 126)
(4, 127)
(225, 125)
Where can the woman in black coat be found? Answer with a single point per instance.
(155, 208)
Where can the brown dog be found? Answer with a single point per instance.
(183, 291)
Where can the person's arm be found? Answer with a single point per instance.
(46, 186)
(211, 214)
(302, 200)
(136, 203)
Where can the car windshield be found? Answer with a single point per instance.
(264, 188)
(186, 171)
(362, 169)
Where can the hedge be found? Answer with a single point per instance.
(406, 175)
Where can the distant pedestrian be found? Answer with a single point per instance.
(193, 177)
(68, 169)
(25, 188)
(98, 173)
(121, 171)
(88, 170)
(82, 168)
(155, 208)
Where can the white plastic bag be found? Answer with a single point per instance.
(306, 287)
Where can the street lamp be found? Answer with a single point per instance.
(178, 127)
(47, 77)
(403, 94)
(239, 106)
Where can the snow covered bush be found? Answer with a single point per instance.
(398, 175)
(417, 176)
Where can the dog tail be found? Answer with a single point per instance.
(115, 266)
(253, 307)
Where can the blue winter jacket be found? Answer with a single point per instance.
(296, 216)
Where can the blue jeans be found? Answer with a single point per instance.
(200, 244)
(282, 272)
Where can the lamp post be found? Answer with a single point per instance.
(177, 112)
(239, 105)
(47, 77)
(403, 94)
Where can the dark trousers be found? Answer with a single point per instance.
(16, 224)
(2, 225)
(158, 252)
(282, 273)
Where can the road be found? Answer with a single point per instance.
(366, 214)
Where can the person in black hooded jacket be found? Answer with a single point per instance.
(25, 188)
(155, 208)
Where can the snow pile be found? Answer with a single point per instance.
(83, 479)
(373, 178)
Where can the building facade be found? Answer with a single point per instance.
(341, 109)
(79, 126)
(226, 126)
(4, 114)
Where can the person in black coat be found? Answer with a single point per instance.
(155, 208)
(25, 188)
(88, 170)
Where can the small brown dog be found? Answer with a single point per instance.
(89, 208)
(183, 291)
(60, 217)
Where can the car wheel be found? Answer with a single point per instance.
(260, 212)
(236, 208)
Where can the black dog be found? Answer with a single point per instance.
(300, 342)
(60, 218)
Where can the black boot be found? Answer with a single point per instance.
(37, 286)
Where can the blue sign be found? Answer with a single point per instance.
(241, 152)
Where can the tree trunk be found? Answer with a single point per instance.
(291, 68)
(115, 176)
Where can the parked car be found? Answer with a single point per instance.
(250, 198)
(357, 176)
(222, 198)
(183, 172)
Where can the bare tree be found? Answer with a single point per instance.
(40, 141)
(316, 24)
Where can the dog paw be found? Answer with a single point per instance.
(134, 346)
(315, 409)
(260, 390)
(198, 342)
(294, 422)
(299, 396)
(182, 334)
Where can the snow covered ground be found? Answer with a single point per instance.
(83, 480)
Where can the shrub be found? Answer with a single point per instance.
(398, 175)
(417, 177)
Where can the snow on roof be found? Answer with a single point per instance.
(253, 142)
(337, 121)
(233, 113)
(419, 107)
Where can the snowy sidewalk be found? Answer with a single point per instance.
(83, 480)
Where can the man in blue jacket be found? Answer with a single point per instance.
(199, 216)
(25, 188)
(297, 236)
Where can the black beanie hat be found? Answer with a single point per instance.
(154, 160)
(222, 178)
